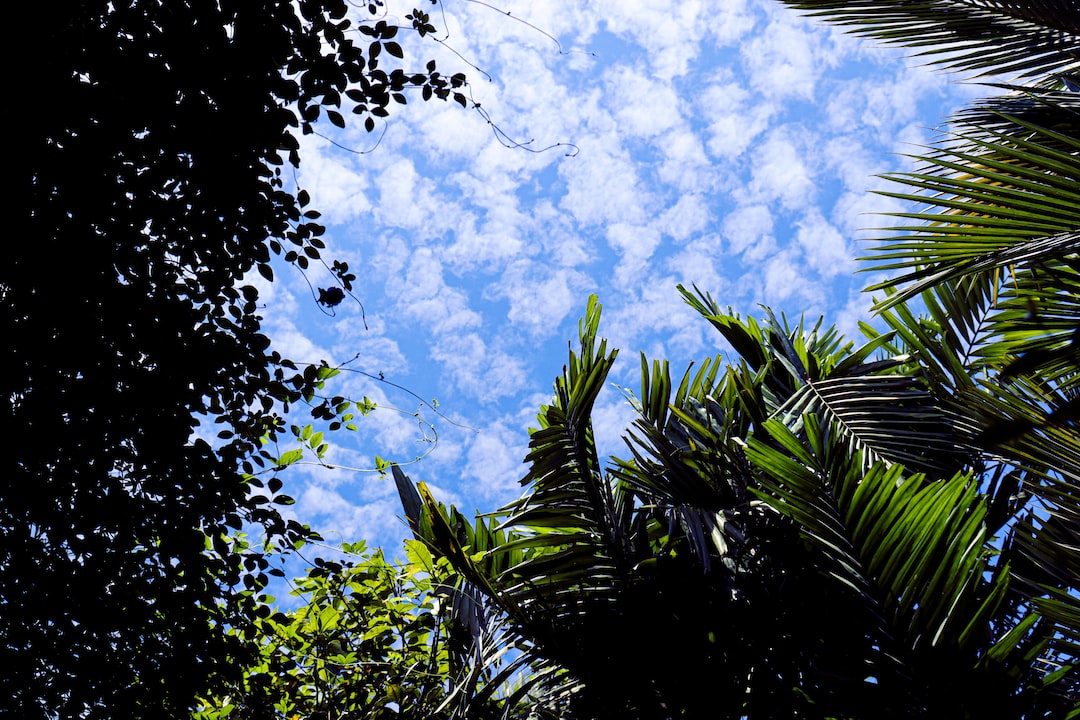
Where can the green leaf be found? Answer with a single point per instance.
(289, 457)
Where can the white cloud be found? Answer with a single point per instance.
(823, 246)
(292, 343)
(341, 519)
(602, 184)
(734, 121)
(685, 165)
(449, 133)
(854, 164)
(484, 372)
(668, 31)
(635, 244)
(612, 417)
(857, 213)
(336, 189)
(494, 461)
(856, 309)
(779, 171)
(749, 231)
(731, 22)
(645, 107)
(654, 320)
(785, 278)
(700, 263)
(540, 296)
(405, 198)
(560, 245)
(689, 216)
(784, 60)
(426, 297)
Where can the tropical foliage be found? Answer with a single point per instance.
(773, 538)
(370, 639)
(819, 529)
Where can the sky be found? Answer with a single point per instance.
(610, 148)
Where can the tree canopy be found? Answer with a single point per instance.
(809, 528)
(154, 175)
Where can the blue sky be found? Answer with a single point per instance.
(731, 145)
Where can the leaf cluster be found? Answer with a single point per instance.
(370, 639)
(151, 181)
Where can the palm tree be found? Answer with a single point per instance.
(820, 530)
(765, 550)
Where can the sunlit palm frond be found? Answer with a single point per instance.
(560, 554)
(1003, 229)
(944, 342)
(1044, 102)
(890, 418)
(1043, 552)
(1023, 422)
(1037, 327)
(943, 346)
(684, 463)
(915, 551)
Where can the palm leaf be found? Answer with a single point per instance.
(1037, 328)
(995, 36)
(683, 462)
(996, 201)
(568, 496)
(915, 551)
(889, 415)
(1004, 215)
(562, 552)
(891, 418)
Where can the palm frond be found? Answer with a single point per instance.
(570, 516)
(994, 36)
(1037, 327)
(914, 550)
(683, 462)
(890, 418)
(889, 415)
(1045, 102)
(1009, 197)
(560, 555)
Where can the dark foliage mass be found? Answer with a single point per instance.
(153, 172)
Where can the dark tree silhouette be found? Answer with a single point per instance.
(152, 171)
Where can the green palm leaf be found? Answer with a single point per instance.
(1004, 215)
(891, 418)
(889, 415)
(570, 516)
(561, 552)
(684, 463)
(915, 551)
